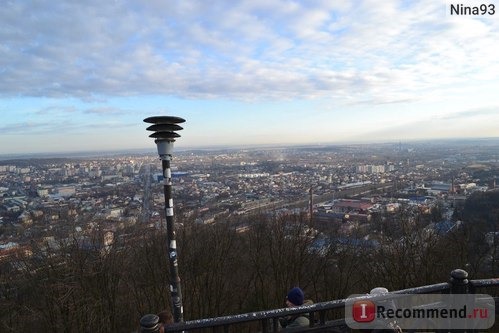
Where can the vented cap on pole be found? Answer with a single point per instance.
(165, 132)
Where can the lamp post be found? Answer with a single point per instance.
(165, 128)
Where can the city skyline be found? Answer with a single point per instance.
(83, 76)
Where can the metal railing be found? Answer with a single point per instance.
(268, 321)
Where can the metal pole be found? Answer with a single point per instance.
(175, 289)
(165, 128)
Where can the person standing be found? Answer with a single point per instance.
(294, 298)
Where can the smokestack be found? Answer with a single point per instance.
(310, 205)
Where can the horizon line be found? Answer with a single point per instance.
(121, 151)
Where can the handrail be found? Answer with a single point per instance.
(483, 283)
(269, 318)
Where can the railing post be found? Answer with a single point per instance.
(275, 324)
(265, 325)
(149, 324)
(459, 283)
(322, 318)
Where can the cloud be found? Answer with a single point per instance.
(105, 111)
(473, 113)
(33, 127)
(58, 128)
(465, 123)
(56, 110)
(367, 52)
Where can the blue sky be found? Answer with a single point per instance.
(82, 75)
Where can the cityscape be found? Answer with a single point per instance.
(46, 200)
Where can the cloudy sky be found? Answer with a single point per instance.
(82, 75)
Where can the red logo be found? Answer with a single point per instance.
(363, 311)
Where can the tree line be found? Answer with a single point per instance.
(226, 269)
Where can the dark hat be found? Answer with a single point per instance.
(296, 296)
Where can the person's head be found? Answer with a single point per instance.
(295, 297)
(165, 317)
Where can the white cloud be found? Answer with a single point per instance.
(367, 52)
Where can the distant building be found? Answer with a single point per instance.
(374, 168)
(114, 213)
(42, 192)
(438, 187)
(158, 177)
(23, 170)
(492, 184)
(343, 210)
(349, 205)
(66, 191)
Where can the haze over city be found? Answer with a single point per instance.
(79, 76)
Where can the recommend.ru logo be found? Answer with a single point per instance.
(420, 311)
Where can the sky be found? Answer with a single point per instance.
(82, 75)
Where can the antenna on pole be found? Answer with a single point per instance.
(165, 128)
